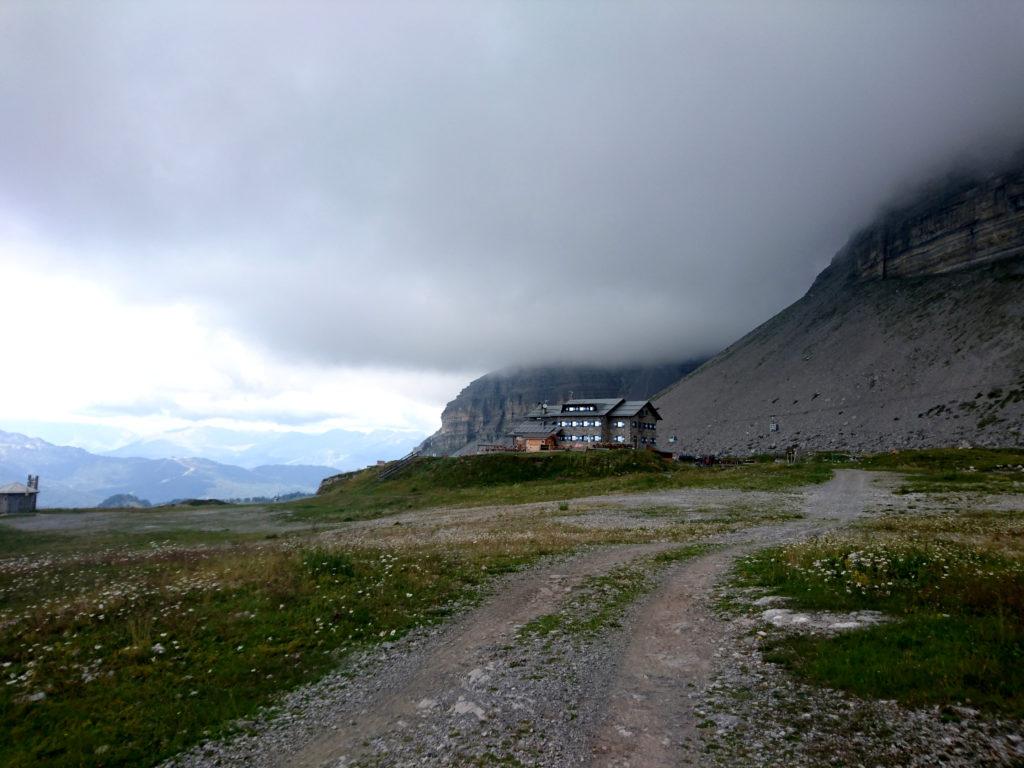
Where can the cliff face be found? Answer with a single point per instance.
(488, 407)
(912, 337)
(963, 225)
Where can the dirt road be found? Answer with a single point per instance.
(475, 692)
(674, 638)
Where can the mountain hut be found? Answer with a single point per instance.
(16, 497)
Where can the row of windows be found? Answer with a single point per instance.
(581, 407)
(597, 423)
(597, 439)
(588, 423)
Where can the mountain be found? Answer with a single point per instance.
(123, 501)
(487, 408)
(72, 477)
(341, 449)
(912, 337)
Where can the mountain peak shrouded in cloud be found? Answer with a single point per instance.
(319, 197)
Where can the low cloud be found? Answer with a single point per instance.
(464, 186)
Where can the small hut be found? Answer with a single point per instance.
(15, 497)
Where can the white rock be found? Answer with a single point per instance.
(464, 707)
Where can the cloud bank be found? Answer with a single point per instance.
(461, 185)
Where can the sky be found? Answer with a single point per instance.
(313, 215)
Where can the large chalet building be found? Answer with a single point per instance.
(588, 423)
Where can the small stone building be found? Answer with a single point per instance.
(589, 423)
(535, 436)
(15, 497)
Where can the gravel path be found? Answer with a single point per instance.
(480, 691)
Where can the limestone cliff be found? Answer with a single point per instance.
(486, 409)
(961, 224)
(912, 337)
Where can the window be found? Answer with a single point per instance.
(620, 439)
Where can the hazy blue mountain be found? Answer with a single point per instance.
(72, 477)
(337, 448)
(123, 501)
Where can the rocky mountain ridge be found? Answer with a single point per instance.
(912, 337)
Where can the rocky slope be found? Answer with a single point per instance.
(485, 410)
(912, 337)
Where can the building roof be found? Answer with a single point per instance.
(614, 407)
(632, 408)
(602, 406)
(535, 429)
(20, 488)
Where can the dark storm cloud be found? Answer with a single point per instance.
(473, 185)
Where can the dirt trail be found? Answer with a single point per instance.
(472, 693)
(650, 720)
(461, 651)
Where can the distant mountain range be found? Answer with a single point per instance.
(72, 477)
(338, 448)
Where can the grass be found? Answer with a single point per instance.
(15, 542)
(124, 659)
(953, 586)
(600, 601)
(944, 470)
(507, 478)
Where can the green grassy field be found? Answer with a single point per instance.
(508, 478)
(953, 586)
(118, 658)
(944, 470)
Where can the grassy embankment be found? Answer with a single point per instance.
(124, 648)
(505, 478)
(952, 583)
(946, 470)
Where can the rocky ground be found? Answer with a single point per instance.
(619, 656)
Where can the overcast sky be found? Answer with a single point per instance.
(335, 214)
